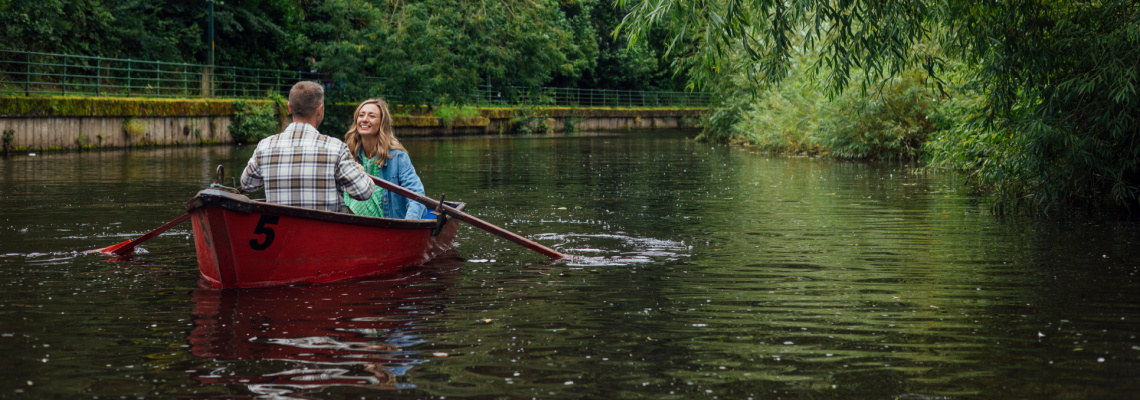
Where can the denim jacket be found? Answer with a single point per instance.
(399, 170)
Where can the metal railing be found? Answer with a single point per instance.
(576, 97)
(28, 73)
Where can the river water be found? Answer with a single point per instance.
(712, 272)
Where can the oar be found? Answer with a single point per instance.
(127, 247)
(462, 216)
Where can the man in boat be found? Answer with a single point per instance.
(300, 166)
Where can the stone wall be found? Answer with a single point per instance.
(69, 133)
(69, 123)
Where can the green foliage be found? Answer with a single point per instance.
(280, 107)
(450, 114)
(252, 122)
(429, 52)
(338, 119)
(1053, 121)
(758, 39)
(1055, 82)
(134, 128)
(334, 37)
(781, 121)
(248, 33)
(531, 118)
(528, 120)
(890, 123)
(570, 124)
(54, 26)
(7, 138)
(620, 64)
(438, 51)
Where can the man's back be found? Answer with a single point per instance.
(303, 168)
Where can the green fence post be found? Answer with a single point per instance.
(98, 76)
(63, 82)
(158, 79)
(28, 76)
(128, 77)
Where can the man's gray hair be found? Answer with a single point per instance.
(305, 97)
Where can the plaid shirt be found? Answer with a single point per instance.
(303, 168)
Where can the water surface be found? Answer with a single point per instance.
(713, 272)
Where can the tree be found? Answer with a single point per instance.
(1059, 78)
(440, 51)
(54, 26)
(876, 36)
(249, 33)
(620, 65)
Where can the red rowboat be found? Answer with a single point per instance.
(243, 243)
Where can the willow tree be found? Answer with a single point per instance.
(1058, 118)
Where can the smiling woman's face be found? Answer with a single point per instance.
(368, 120)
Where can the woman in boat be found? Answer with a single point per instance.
(377, 149)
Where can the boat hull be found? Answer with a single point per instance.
(243, 243)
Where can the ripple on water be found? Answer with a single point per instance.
(616, 249)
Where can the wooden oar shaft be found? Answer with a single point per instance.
(127, 247)
(468, 218)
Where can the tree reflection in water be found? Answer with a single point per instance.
(291, 340)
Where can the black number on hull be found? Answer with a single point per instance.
(262, 229)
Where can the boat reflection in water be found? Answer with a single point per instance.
(289, 340)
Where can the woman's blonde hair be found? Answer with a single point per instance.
(387, 140)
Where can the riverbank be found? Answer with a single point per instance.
(45, 124)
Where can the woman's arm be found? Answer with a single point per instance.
(411, 181)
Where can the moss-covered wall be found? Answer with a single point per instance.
(68, 123)
(419, 120)
(39, 134)
(112, 107)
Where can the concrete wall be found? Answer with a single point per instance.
(67, 133)
(69, 123)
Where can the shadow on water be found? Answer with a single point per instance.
(292, 341)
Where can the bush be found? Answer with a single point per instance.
(891, 123)
(884, 122)
(134, 128)
(782, 120)
(531, 118)
(450, 114)
(252, 121)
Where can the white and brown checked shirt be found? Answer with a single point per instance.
(303, 168)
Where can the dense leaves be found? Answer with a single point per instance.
(1046, 108)
(1061, 78)
(440, 51)
(890, 122)
(418, 51)
(252, 121)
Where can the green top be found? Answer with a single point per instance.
(374, 206)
